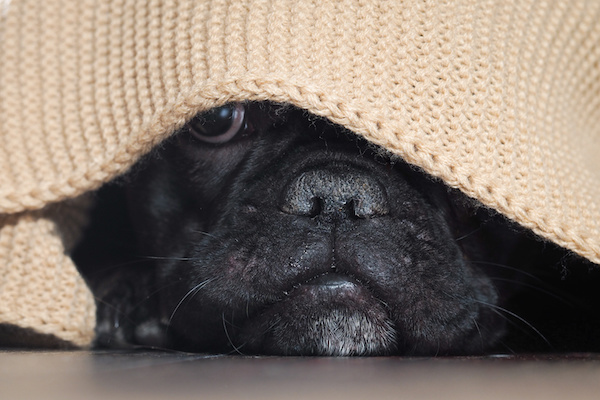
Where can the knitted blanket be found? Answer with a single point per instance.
(499, 98)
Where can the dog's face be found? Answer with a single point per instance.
(270, 231)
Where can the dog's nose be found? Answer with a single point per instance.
(333, 191)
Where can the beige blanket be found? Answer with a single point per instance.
(499, 98)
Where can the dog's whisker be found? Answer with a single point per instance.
(479, 333)
(271, 326)
(168, 258)
(207, 234)
(153, 293)
(192, 292)
(501, 311)
(507, 347)
(510, 268)
(236, 349)
(536, 288)
(385, 305)
(467, 234)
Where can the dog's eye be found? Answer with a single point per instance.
(220, 124)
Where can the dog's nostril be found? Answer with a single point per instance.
(354, 209)
(316, 207)
(304, 206)
(349, 194)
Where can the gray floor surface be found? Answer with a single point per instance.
(159, 375)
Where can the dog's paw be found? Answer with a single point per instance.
(126, 318)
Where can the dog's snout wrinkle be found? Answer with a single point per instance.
(335, 192)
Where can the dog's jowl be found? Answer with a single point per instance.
(261, 229)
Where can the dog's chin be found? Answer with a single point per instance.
(329, 316)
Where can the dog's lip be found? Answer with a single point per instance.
(332, 280)
(319, 300)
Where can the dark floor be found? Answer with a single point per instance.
(156, 375)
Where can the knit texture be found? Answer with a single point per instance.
(499, 98)
(39, 285)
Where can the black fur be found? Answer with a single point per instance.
(296, 237)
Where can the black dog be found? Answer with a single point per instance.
(263, 229)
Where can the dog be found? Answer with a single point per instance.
(259, 228)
